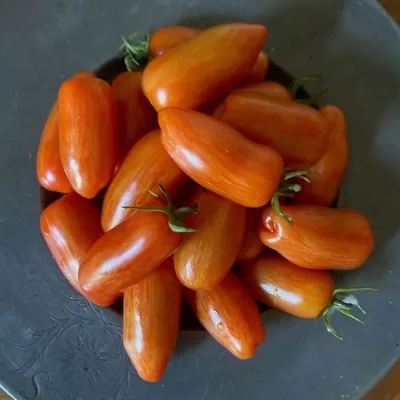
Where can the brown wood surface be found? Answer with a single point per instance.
(389, 387)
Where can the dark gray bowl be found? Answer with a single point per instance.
(54, 345)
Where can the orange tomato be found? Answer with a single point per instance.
(320, 237)
(230, 315)
(326, 175)
(88, 133)
(49, 169)
(152, 310)
(167, 37)
(205, 256)
(70, 226)
(252, 246)
(258, 70)
(219, 158)
(190, 75)
(274, 281)
(296, 131)
(267, 88)
(145, 166)
(136, 116)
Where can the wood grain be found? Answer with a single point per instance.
(389, 387)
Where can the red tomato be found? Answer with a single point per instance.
(230, 315)
(267, 88)
(274, 281)
(70, 226)
(326, 175)
(167, 37)
(49, 169)
(205, 256)
(152, 310)
(191, 74)
(88, 133)
(258, 70)
(128, 253)
(252, 246)
(219, 158)
(296, 131)
(145, 166)
(320, 237)
(136, 116)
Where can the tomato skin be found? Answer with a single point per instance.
(326, 175)
(128, 253)
(219, 158)
(190, 75)
(320, 237)
(298, 132)
(274, 281)
(252, 246)
(258, 70)
(69, 237)
(167, 37)
(145, 166)
(152, 310)
(49, 169)
(267, 88)
(88, 133)
(230, 315)
(136, 116)
(205, 257)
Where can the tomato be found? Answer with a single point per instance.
(136, 116)
(230, 315)
(298, 132)
(70, 226)
(258, 70)
(219, 158)
(191, 74)
(267, 88)
(152, 310)
(49, 169)
(274, 281)
(205, 256)
(252, 246)
(320, 237)
(145, 166)
(128, 253)
(167, 37)
(326, 175)
(88, 133)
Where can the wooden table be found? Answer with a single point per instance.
(389, 387)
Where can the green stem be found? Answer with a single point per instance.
(296, 84)
(135, 50)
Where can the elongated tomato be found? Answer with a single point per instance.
(219, 158)
(320, 237)
(167, 37)
(70, 226)
(252, 246)
(205, 256)
(191, 74)
(136, 116)
(326, 175)
(267, 88)
(230, 315)
(258, 70)
(274, 281)
(298, 132)
(145, 166)
(128, 253)
(49, 169)
(88, 133)
(152, 310)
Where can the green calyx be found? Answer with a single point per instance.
(287, 189)
(135, 50)
(344, 302)
(175, 215)
(299, 83)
